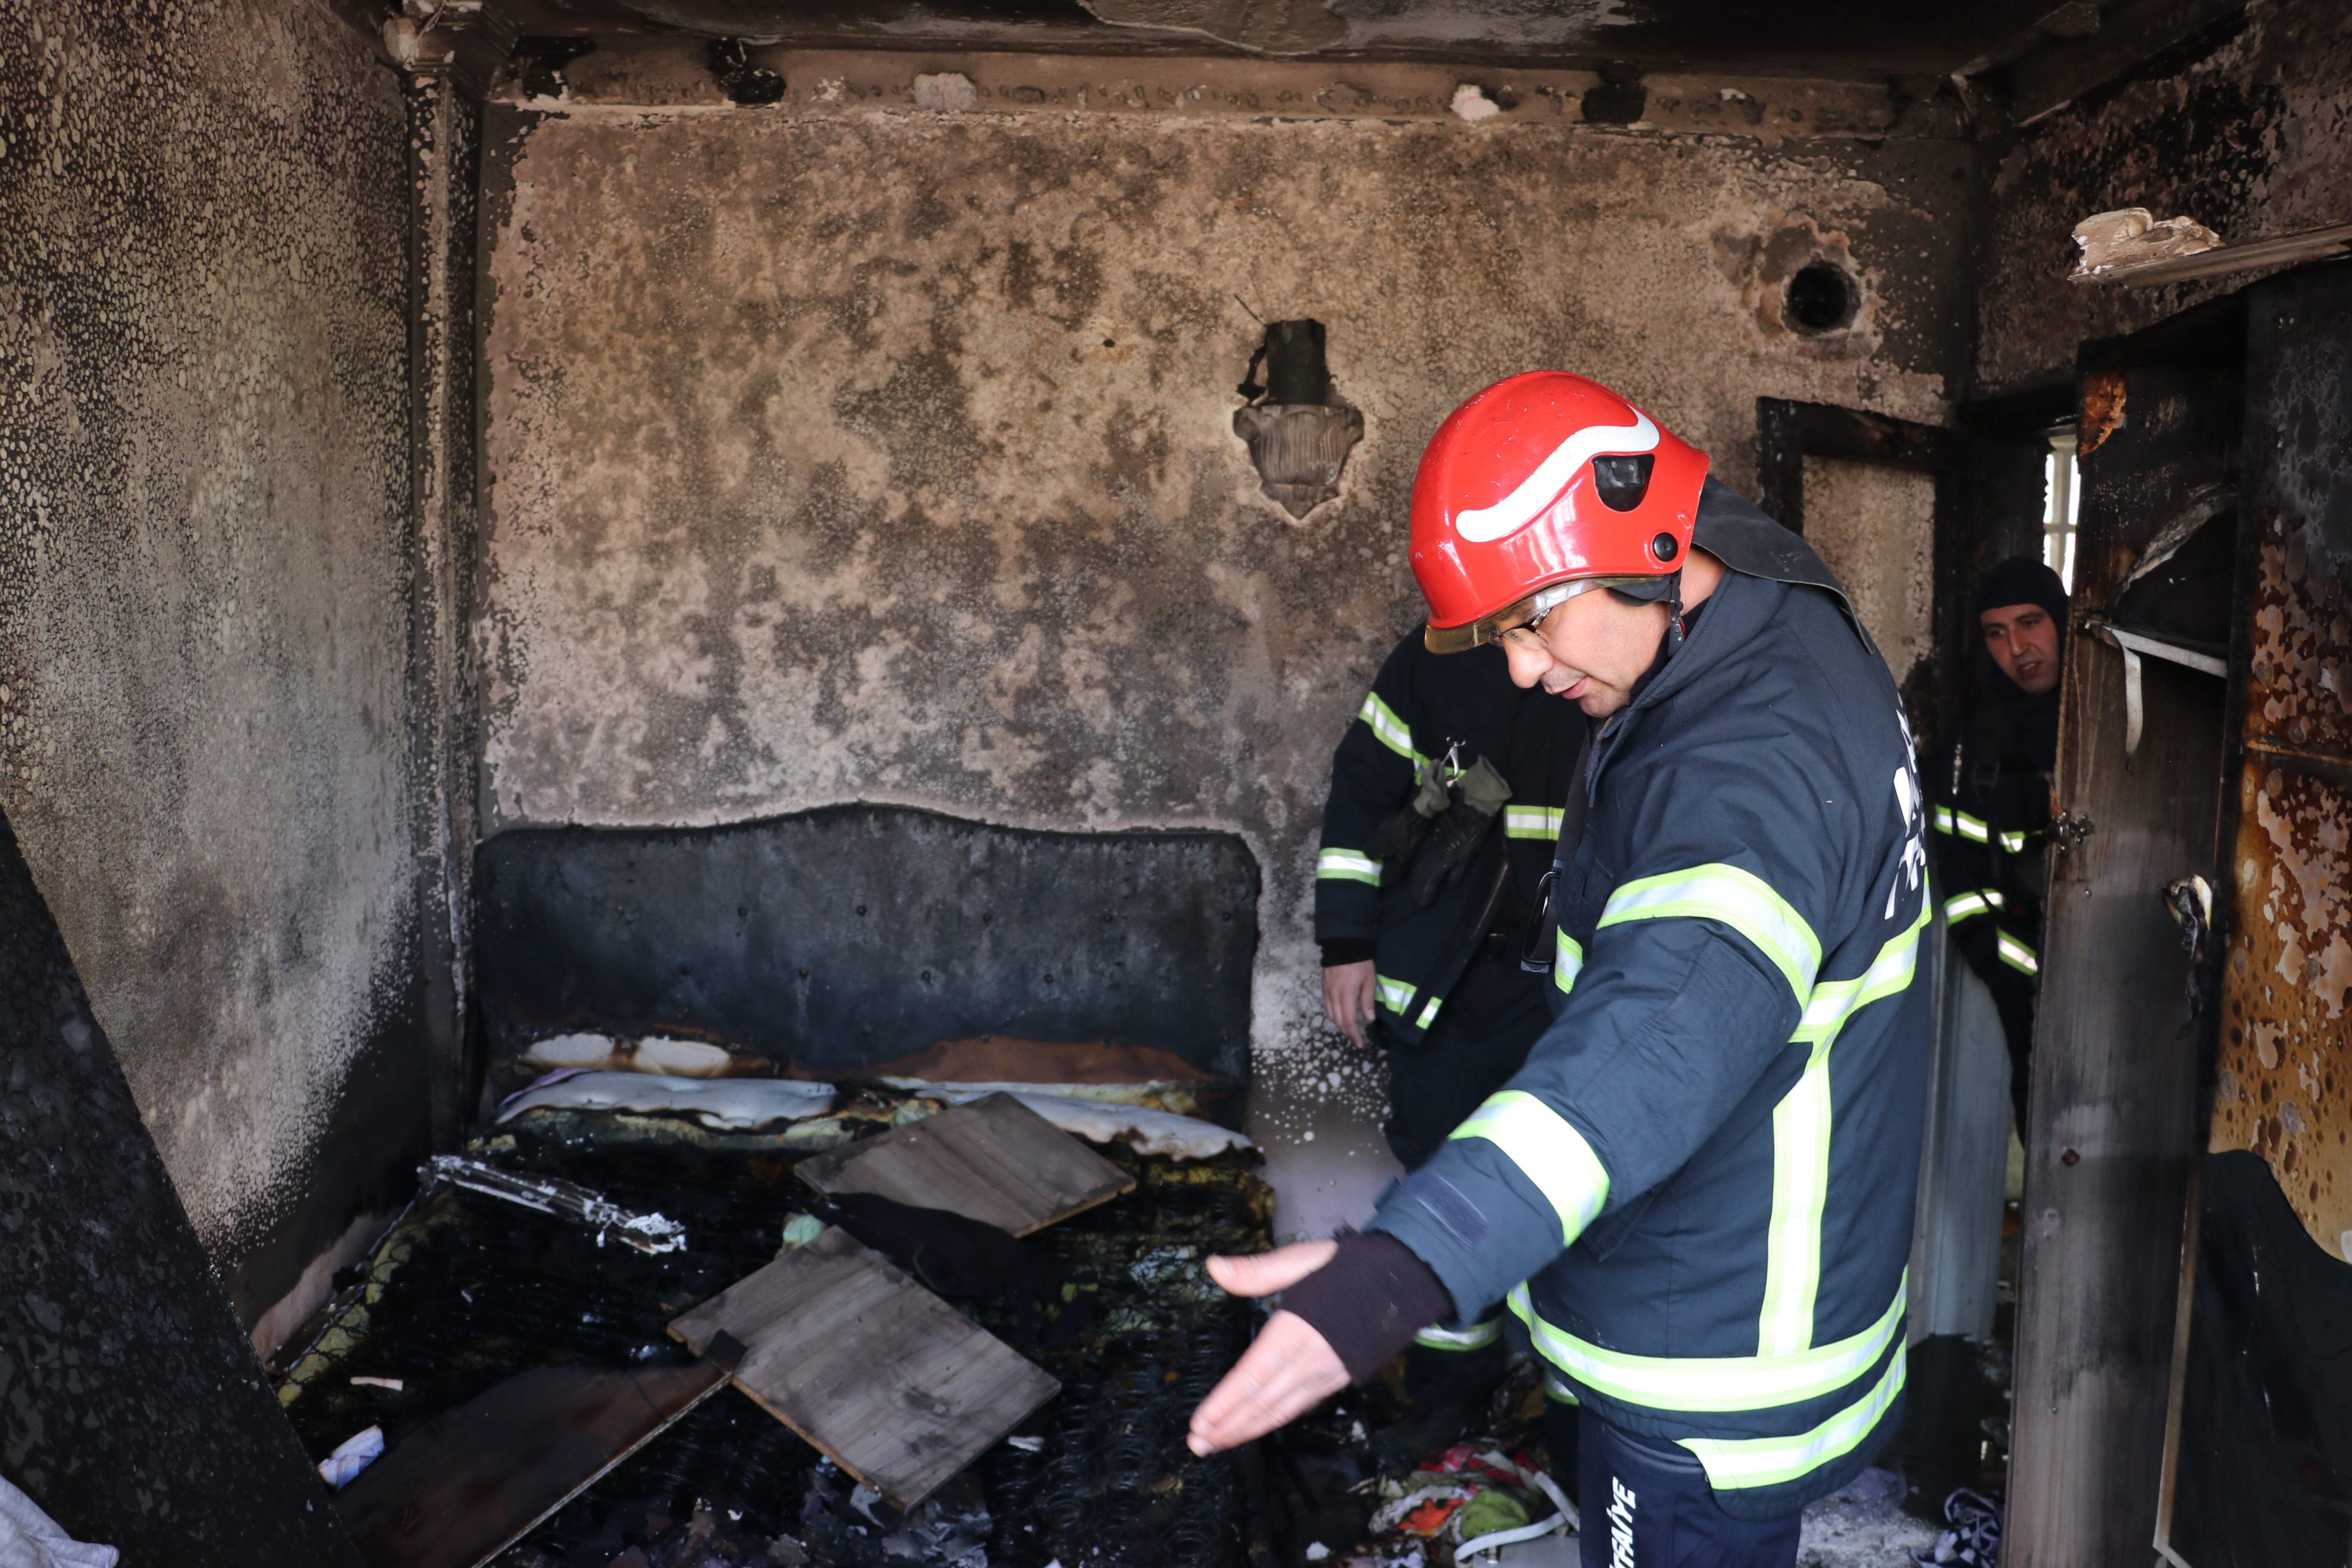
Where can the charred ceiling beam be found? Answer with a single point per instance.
(1846, 38)
(2049, 77)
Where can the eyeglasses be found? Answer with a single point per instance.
(1522, 615)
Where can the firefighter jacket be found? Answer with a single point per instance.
(1704, 1174)
(1992, 824)
(1425, 710)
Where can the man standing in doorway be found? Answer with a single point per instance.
(1697, 1193)
(1445, 809)
(1993, 823)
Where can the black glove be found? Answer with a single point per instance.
(1454, 841)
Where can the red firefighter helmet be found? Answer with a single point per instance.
(1543, 479)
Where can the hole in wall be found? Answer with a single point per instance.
(742, 81)
(1821, 297)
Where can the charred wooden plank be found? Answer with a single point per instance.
(896, 1386)
(995, 1161)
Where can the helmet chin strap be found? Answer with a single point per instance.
(1674, 633)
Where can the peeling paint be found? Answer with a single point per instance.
(2251, 138)
(2285, 1069)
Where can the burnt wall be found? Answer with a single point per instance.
(2245, 127)
(855, 454)
(203, 590)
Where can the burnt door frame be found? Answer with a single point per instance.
(2113, 1122)
(1978, 492)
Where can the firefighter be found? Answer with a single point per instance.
(1993, 822)
(1696, 1196)
(1444, 811)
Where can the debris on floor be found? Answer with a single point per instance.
(890, 1382)
(993, 1160)
(469, 1291)
(1863, 1525)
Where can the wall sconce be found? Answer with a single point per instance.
(1300, 436)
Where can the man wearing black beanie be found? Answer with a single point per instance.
(1992, 822)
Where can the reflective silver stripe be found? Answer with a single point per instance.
(1549, 1151)
(1388, 729)
(1943, 819)
(1960, 906)
(1800, 1145)
(1429, 1014)
(1347, 866)
(1706, 1384)
(2016, 954)
(1477, 1336)
(1567, 961)
(1396, 995)
(1532, 821)
(1733, 1463)
(2013, 842)
(1555, 1387)
(1971, 827)
(1740, 900)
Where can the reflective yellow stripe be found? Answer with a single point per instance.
(1740, 900)
(2013, 842)
(1347, 866)
(1970, 827)
(1555, 1387)
(1943, 819)
(1389, 730)
(1429, 1014)
(1800, 1146)
(2016, 954)
(1477, 1336)
(1567, 961)
(1532, 821)
(1733, 1463)
(1549, 1152)
(1960, 906)
(1715, 1384)
(1395, 994)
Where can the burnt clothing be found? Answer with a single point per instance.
(1697, 1193)
(1992, 836)
(1428, 714)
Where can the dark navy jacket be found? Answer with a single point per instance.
(1704, 1174)
(1420, 707)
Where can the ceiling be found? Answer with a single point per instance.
(1837, 37)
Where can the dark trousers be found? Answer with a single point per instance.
(1480, 1038)
(1646, 1504)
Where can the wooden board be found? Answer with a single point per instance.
(895, 1386)
(994, 1160)
(467, 1484)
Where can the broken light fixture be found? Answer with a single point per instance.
(1300, 436)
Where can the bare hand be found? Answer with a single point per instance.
(1288, 1370)
(1348, 991)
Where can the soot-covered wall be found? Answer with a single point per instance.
(204, 718)
(2245, 127)
(838, 454)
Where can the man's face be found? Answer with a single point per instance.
(2024, 640)
(1591, 650)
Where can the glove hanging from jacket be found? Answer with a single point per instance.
(1400, 839)
(1477, 798)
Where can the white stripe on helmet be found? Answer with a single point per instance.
(1484, 525)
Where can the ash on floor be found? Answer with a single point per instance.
(1864, 1526)
(467, 1291)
